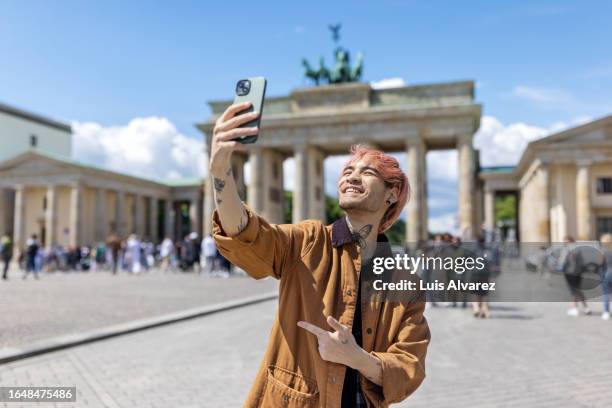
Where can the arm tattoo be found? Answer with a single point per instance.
(361, 235)
(219, 184)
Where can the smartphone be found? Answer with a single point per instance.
(254, 91)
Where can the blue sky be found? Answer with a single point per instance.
(541, 64)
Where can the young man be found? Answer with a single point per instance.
(330, 346)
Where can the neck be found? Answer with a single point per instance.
(366, 225)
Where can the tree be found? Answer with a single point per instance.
(505, 208)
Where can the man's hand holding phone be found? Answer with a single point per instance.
(226, 132)
(232, 213)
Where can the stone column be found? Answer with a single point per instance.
(19, 232)
(139, 216)
(489, 209)
(120, 219)
(153, 219)
(76, 212)
(466, 187)
(543, 210)
(255, 197)
(169, 214)
(300, 191)
(208, 203)
(424, 194)
(584, 210)
(4, 209)
(194, 213)
(309, 192)
(51, 217)
(101, 221)
(415, 227)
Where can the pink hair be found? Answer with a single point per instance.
(393, 176)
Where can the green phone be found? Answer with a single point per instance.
(254, 91)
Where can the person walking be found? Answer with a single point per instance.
(570, 262)
(114, 245)
(134, 252)
(209, 249)
(606, 274)
(480, 276)
(31, 252)
(6, 253)
(165, 252)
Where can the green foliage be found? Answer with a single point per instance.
(505, 208)
(288, 207)
(332, 209)
(397, 232)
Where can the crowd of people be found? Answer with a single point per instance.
(445, 246)
(137, 255)
(131, 254)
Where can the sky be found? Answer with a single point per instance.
(134, 77)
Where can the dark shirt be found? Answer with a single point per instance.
(351, 391)
(352, 396)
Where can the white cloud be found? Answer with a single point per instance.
(388, 83)
(148, 147)
(501, 144)
(442, 165)
(443, 223)
(541, 95)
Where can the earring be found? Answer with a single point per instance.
(388, 202)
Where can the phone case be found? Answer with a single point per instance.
(256, 96)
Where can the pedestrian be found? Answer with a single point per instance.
(456, 251)
(434, 273)
(570, 262)
(31, 252)
(134, 252)
(114, 244)
(165, 252)
(197, 249)
(6, 253)
(209, 249)
(481, 276)
(606, 274)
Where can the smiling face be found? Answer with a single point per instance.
(361, 188)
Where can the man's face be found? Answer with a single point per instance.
(361, 188)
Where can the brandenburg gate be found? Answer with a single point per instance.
(312, 123)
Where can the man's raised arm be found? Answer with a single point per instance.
(232, 213)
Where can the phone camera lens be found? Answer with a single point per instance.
(243, 87)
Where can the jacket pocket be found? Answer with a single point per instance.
(284, 388)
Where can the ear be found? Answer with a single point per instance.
(392, 194)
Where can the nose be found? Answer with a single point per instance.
(353, 178)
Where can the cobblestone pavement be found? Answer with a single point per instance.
(526, 355)
(65, 303)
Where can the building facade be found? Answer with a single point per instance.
(67, 203)
(563, 183)
(313, 123)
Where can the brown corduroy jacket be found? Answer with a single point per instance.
(318, 271)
